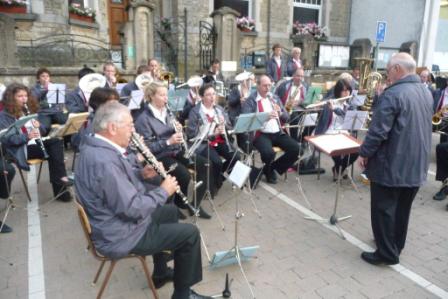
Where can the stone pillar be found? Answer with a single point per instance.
(7, 41)
(228, 43)
(138, 41)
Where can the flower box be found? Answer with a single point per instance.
(12, 9)
(81, 18)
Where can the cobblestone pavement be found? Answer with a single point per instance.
(297, 258)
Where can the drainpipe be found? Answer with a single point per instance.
(268, 35)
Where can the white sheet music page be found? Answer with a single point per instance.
(239, 174)
(136, 99)
(333, 142)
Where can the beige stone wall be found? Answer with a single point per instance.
(339, 19)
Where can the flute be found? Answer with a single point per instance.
(151, 160)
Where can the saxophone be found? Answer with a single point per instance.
(438, 116)
(291, 99)
(151, 160)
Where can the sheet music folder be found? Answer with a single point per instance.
(335, 144)
(249, 122)
(17, 125)
(74, 122)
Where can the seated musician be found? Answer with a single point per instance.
(440, 96)
(154, 69)
(125, 95)
(49, 113)
(272, 133)
(292, 93)
(331, 119)
(195, 82)
(128, 215)
(99, 96)
(214, 71)
(76, 102)
(20, 146)
(235, 100)
(217, 146)
(7, 173)
(155, 124)
(110, 72)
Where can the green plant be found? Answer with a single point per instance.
(81, 11)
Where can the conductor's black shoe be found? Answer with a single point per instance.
(160, 281)
(374, 258)
(5, 229)
(441, 195)
(203, 214)
(194, 295)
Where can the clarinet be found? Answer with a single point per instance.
(226, 138)
(151, 160)
(272, 102)
(38, 140)
(174, 123)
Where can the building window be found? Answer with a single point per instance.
(244, 7)
(80, 3)
(307, 11)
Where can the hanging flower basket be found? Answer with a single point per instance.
(245, 24)
(79, 13)
(13, 6)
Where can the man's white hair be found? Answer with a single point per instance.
(404, 60)
(110, 112)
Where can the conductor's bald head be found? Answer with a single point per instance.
(400, 66)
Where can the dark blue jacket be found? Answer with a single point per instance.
(75, 102)
(398, 143)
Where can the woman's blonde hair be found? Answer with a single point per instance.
(151, 89)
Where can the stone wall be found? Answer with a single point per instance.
(339, 20)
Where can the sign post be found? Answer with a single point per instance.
(380, 38)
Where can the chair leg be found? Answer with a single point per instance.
(148, 277)
(98, 273)
(24, 184)
(40, 171)
(106, 279)
(73, 161)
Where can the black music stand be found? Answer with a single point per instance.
(334, 145)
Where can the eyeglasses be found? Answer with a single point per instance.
(390, 68)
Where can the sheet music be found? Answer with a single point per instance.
(354, 120)
(239, 175)
(358, 100)
(136, 99)
(56, 93)
(310, 119)
(334, 142)
(119, 87)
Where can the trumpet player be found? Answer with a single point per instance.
(16, 99)
(76, 102)
(218, 145)
(110, 72)
(165, 142)
(195, 82)
(271, 134)
(154, 69)
(238, 95)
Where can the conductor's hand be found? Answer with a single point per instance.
(363, 162)
(169, 185)
(176, 138)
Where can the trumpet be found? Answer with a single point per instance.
(438, 116)
(271, 101)
(166, 76)
(38, 140)
(151, 160)
(332, 101)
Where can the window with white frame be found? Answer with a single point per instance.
(244, 7)
(81, 3)
(307, 11)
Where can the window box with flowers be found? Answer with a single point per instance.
(309, 30)
(13, 6)
(82, 14)
(245, 24)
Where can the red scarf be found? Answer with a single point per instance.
(218, 138)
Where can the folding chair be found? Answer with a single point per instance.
(85, 223)
(39, 162)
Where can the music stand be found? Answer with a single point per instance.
(334, 145)
(136, 99)
(238, 178)
(353, 122)
(72, 126)
(56, 94)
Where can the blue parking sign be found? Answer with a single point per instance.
(380, 31)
